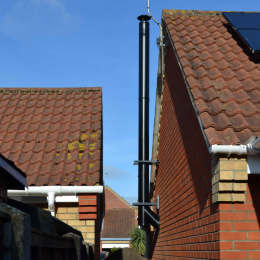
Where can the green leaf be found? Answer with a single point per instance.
(138, 240)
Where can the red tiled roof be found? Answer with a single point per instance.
(224, 82)
(118, 223)
(54, 135)
(120, 216)
(113, 200)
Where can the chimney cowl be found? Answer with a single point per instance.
(144, 17)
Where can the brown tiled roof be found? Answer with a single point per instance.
(113, 200)
(118, 223)
(224, 82)
(54, 135)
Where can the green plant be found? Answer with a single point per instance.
(138, 240)
(113, 250)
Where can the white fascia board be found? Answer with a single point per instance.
(115, 245)
(43, 199)
(66, 199)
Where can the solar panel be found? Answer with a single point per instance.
(247, 27)
(252, 37)
(243, 20)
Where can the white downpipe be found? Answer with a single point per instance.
(51, 202)
(229, 149)
(52, 191)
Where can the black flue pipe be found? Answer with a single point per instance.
(143, 145)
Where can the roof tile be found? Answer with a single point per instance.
(118, 223)
(223, 80)
(119, 219)
(39, 126)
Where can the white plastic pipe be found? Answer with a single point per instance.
(58, 190)
(51, 202)
(229, 149)
(52, 191)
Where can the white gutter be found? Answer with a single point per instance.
(58, 190)
(229, 149)
(250, 150)
(52, 191)
(253, 147)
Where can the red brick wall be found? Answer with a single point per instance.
(88, 208)
(239, 225)
(91, 208)
(189, 223)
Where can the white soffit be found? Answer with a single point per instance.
(253, 164)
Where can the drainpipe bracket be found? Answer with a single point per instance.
(152, 162)
(143, 204)
(148, 204)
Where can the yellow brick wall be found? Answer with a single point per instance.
(68, 213)
(229, 180)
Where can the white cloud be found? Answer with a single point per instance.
(111, 172)
(123, 182)
(36, 18)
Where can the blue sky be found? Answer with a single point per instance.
(64, 43)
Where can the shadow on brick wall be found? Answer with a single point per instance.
(254, 195)
(196, 150)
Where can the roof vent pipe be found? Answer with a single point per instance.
(143, 145)
(146, 216)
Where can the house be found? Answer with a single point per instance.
(206, 124)
(119, 221)
(55, 136)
